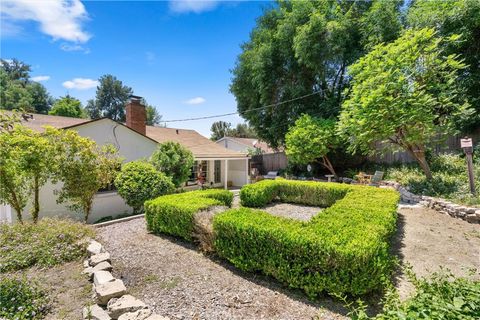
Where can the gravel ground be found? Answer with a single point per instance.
(292, 211)
(180, 282)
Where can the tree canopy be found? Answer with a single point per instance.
(174, 160)
(19, 92)
(222, 129)
(110, 99)
(302, 49)
(310, 140)
(68, 106)
(403, 94)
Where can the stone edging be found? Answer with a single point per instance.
(469, 214)
(112, 300)
(107, 223)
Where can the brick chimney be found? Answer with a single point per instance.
(136, 115)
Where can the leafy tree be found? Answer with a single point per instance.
(83, 168)
(449, 18)
(153, 117)
(139, 181)
(403, 94)
(220, 129)
(311, 139)
(14, 182)
(14, 95)
(41, 100)
(243, 130)
(16, 70)
(68, 106)
(110, 99)
(302, 49)
(26, 166)
(174, 160)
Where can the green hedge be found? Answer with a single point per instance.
(344, 249)
(173, 214)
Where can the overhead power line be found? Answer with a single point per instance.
(234, 113)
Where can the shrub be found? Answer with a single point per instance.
(174, 160)
(174, 214)
(342, 250)
(441, 297)
(139, 181)
(20, 299)
(50, 242)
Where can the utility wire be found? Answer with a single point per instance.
(234, 113)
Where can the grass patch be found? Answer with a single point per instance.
(22, 299)
(47, 243)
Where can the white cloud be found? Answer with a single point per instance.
(196, 100)
(60, 19)
(74, 47)
(196, 6)
(41, 78)
(80, 84)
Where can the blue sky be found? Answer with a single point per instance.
(176, 54)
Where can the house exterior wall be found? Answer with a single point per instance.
(233, 145)
(237, 172)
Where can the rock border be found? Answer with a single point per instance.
(110, 294)
(469, 214)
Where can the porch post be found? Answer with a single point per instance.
(226, 174)
(246, 171)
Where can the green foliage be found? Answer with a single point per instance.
(343, 250)
(21, 299)
(47, 243)
(301, 47)
(456, 17)
(83, 167)
(441, 296)
(110, 99)
(311, 139)
(68, 106)
(18, 91)
(174, 160)
(173, 214)
(403, 94)
(222, 129)
(153, 117)
(139, 181)
(25, 166)
(450, 179)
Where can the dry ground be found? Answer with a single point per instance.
(182, 283)
(68, 289)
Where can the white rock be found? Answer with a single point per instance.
(103, 266)
(95, 312)
(97, 258)
(109, 290)
(101, 277)
(94, 248)
(86, 264)
(157, 317)
(127, 303)
(137, 315)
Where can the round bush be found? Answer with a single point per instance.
(174, 160)
(139, 181)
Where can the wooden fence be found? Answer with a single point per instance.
(451, 144)
(269, 162)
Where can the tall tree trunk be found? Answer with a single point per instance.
(419, 155)
(327, 164)
(86, 210)
(18, 211)
(36, 201)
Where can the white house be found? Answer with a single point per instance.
(134, 140)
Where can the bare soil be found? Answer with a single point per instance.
(68, 289)
(180, 282)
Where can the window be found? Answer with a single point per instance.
(217, 171)
(199, 169)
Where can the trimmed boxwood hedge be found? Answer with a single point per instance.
(343, 250)
(173, 214)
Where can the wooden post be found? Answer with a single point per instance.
(467, 146)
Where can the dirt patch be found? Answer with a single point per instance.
(69, 290)
(428, 240)
(180, 282)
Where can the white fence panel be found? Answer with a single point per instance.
(5, 214)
